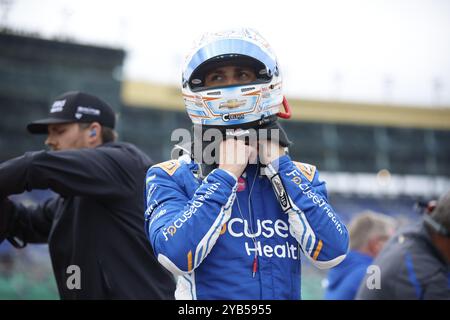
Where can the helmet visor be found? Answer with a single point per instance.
(224, 51)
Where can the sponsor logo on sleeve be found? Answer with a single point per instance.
(195, 205)
(317, 199)
(281, 193)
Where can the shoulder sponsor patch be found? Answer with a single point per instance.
(169, 166)
(307, 170)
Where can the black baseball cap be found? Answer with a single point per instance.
(75, 106)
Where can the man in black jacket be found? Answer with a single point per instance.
(94, 227)
(415, 263)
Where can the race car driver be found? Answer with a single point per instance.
(234, 229)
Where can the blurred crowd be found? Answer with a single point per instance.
(27, 273)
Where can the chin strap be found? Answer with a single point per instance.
(287, 110)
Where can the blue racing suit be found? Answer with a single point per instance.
(228, 238)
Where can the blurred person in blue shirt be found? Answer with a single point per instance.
(368, 231)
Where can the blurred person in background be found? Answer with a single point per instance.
(6, 261)
(31, 274)
(415, 263)
(25, 274)
(368, 232)
(233, 228)
(93, 227)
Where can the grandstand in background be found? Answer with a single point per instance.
(34, 71)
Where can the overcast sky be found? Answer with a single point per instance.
(381, 51)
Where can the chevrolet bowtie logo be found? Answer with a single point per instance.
(232, 104)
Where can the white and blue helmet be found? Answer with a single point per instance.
(236, 104)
